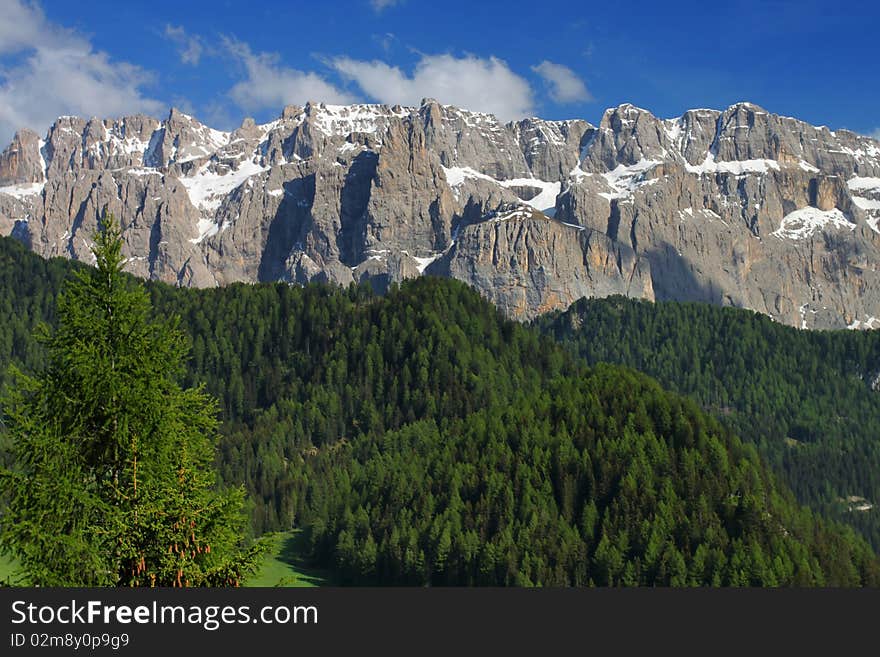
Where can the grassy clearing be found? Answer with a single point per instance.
(7, 569)
(285, 564)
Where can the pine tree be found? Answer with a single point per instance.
(112, 480)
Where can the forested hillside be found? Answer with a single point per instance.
(807, 399)
(421, 438)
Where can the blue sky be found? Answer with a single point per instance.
(222, 61)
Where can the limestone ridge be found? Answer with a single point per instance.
(736, 207)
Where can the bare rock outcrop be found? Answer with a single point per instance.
(737, 207)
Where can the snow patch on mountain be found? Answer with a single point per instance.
(866, 203)
(624, 180)
(544, 200)
(117, 142)
(868, 323)
(803, 223)
(863, 184)
(207, 188)
(422, 263)
(346, 119)
(24, 190)
(735, 167)
(515, 213)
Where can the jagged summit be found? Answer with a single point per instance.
(737, 206)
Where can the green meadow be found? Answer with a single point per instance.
(7, 569)
(283, 565)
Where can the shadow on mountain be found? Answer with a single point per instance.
(353, 201)
(675, 278)
(288, 227)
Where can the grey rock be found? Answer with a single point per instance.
(551, 148)
(527, 263)
(738, 207)
(21, 162)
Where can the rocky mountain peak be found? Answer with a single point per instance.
(22, 161)
(737, 206)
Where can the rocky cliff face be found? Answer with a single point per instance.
(740, 207)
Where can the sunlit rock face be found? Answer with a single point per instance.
(737, 207)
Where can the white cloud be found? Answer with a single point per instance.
(22, 26)
(486, 85)
(189, 47)
(565, 86)
(385, 41)
(52, 71)
(380, 5)
(270, 85)
(875, 134)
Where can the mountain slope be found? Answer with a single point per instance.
(602, 479)
(736, 207)
(808, 399)
(421, 438)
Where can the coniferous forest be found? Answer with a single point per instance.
(420, 438)
(809, 400)
(111, 478)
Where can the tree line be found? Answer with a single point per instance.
(421, 438)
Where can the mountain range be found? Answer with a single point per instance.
(739, 207)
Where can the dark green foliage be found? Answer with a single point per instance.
(111, 479)
(805, 398)
(303, 368)
(28, 289)
(419, 438)
(604, 479)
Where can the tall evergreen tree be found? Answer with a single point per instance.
(112, 480)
